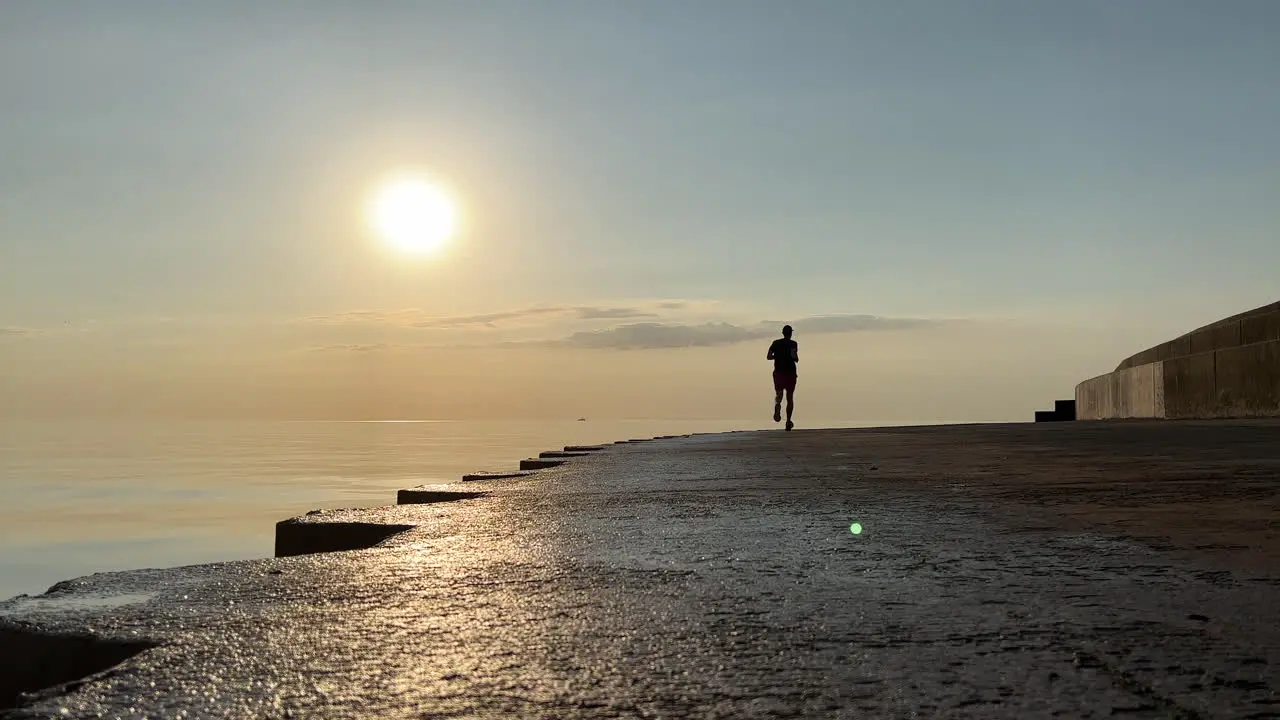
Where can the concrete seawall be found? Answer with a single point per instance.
(1241, 381)
(1230, 368)
(1260, 324)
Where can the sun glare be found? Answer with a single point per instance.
(413, 215)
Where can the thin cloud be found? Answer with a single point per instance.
(406, 316)
(354, 348)
(853, 323)
(488, 319)
(652, 336)
(665, 324)
(612, 313)
(13, 332)
(415, 318)
(657, 336)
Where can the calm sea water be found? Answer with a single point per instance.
(78, 498)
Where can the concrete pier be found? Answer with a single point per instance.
(332, 531)
(478, 476)
(561, 454)
(1081, 570)
(424, 494)
(540, 463)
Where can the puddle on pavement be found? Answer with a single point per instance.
(79, 602)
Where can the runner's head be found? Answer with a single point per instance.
(786, 331)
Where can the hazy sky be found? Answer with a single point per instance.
(996, 200)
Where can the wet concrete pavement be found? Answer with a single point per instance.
(1017, 571)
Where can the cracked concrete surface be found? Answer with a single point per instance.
(1020, 571)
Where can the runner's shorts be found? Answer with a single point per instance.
(784, 382)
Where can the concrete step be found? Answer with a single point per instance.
(1063, 411)
(490, 475)
(1066, 409)
(427, 494)
(540, 463)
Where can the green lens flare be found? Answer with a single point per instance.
(856, 528)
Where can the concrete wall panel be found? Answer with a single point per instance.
(1225, 333)
(1248, 380)
(1216, 337)
(1260, 328)
(1093, 398)
(1190, 386)
(1162, 409)
(1135, 392)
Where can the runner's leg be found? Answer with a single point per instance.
(791, 400)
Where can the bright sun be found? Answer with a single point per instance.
(413, 215)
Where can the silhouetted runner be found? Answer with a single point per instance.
(785, 353)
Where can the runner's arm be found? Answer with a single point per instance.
(770, 355)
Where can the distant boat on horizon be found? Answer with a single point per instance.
(582, 419)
